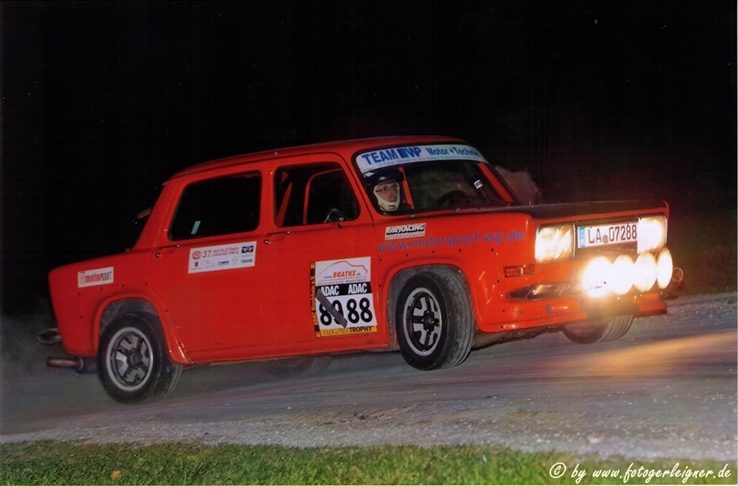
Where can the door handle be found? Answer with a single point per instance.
(165, 251)
(275, 237)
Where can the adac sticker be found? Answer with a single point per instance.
(342, 301)
(99, 276)
(222, 257)
(415, 230)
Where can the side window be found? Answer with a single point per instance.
(313, 194)
(218, 207)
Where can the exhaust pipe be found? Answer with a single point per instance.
(78, 364)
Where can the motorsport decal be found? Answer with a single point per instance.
(419, 153)
(99, 276)
(341, 297)
(404, 231)
(222, 257)
(476, 238)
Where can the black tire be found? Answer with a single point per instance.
(435, 321)
(132, 361)
(598, 332)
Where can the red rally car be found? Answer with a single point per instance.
(409, 242)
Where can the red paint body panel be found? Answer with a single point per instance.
(253, 294)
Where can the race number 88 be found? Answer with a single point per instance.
(357, 312)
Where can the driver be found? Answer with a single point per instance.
(388, 195)
(387, 190)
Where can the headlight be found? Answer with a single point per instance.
(597, 277)
(622, 275)
(664, 268)
(644, 272)
(554, 243)
(651, 233)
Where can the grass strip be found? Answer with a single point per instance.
(190, 463)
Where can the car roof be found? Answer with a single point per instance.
(347, 148)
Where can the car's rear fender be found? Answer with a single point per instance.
(124, 304)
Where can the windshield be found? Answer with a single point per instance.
(437, 178)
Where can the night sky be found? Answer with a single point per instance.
(102, 101)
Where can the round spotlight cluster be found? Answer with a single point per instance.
(601, 276)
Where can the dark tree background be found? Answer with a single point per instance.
(102, 101)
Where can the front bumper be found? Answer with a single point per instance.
(596, 288)
(526, 314)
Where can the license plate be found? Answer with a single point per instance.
(606, 234)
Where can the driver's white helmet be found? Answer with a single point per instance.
(388, 194)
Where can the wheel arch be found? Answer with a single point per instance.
(113, 309)
(400, 277)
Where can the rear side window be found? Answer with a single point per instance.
(218, 207)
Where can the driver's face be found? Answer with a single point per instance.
(388, 190)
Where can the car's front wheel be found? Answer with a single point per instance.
(435, 321)
(598, 332)
(133, 364)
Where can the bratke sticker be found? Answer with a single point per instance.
(342, 301)
(222, 257)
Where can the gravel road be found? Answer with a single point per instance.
(667, 389)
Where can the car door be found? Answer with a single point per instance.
(208, 272)
(319, 257)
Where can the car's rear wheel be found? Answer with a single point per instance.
(434, 318)
(598, 331)
(133, 364)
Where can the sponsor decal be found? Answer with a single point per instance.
(334, 272)
(404, 231)
(377, 159)
(99, 276)
(476, 238)
(342, 300)
(222, 257)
